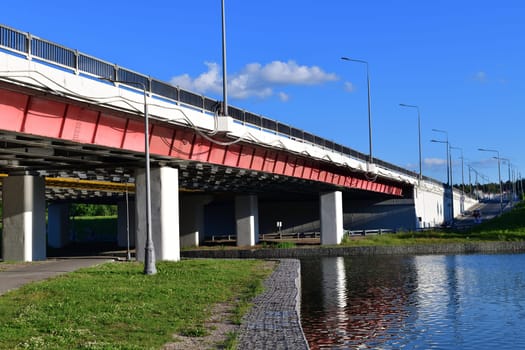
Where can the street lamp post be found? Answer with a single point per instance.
(462, 173)
(149, 250)
(462, 180)
(499, 176)
(224, 75)
(371, 159)
(476, 181)
(521, 185)
(510, 180)
(128, 252)
(419, 136)
(469, 179)
(449, 176)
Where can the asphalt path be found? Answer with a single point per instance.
(489, 210)
(17, 275)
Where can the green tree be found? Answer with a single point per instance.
(79, 209)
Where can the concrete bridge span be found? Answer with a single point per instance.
(59, 119)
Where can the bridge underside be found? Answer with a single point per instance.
(43, 135)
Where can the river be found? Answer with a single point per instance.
(414, 302)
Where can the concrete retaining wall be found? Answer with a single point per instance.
(442, 249)
(432, 202)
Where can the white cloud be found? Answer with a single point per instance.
(349, 87)
(434, 162)
(290, 73)
(255, 80)
(209, 81)
(283, 97)
(480, 76)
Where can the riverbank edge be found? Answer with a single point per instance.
(274, 321)
(415, 249)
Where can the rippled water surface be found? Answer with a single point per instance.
(419, 302)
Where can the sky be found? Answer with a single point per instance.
(460, 62)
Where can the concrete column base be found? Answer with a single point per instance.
(247, 220)
(164, 213)
(24, 218)
(58, 225)
(331, 208)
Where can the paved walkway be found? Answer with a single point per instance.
(274, 321)
(15, 277)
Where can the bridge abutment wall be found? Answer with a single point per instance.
(305, 215)
(433, 204)
(393, 214)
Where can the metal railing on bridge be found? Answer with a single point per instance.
(34, 48)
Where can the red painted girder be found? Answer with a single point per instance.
(182, 144)
(201, 149)
(233, 153)
(40, 116)
(161, 139)
(246, 157)
(269, 161)
(217, 154)
(79, 125)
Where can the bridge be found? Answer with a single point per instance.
(70, 118)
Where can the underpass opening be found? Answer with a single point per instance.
(84, 229)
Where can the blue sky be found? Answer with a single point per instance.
(461, 62)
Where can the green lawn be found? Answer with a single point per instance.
(116, 306)
(508, 227)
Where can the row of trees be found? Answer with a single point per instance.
(87, 210)
(92, 210)
(493, 188)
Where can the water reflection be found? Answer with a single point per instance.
(426, 302)
(335, 299)
(372, 303)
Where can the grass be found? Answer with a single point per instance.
(508, 227)
(115, 306)
(279, 245)
(231, 341)
(243, 304)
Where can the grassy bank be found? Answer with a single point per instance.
(508, 227)
(115, 306)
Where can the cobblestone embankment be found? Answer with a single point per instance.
(274, 321)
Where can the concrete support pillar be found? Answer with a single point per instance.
(58, 225)
(24, 212)
(192, 220)
(247, 220)
(164, 213)
(331, 208)
(126, 222)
